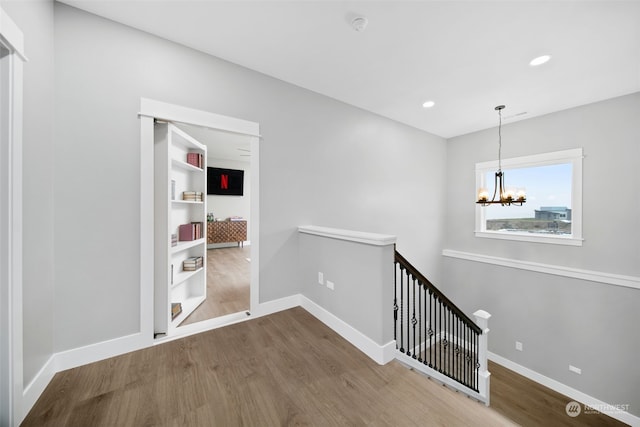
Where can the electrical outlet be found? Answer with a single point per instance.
(574, 369)
(320, 278)
(330, 284)
(518, 346)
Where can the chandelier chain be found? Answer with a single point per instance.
(506, 196)
(500, 140)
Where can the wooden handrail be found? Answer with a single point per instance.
(446, 301)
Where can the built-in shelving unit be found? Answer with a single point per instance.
(180, 226)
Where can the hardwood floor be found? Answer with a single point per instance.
(228, 283)
(531, 404)
(283, 369)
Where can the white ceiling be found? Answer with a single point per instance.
(220, 144)
(467, 56)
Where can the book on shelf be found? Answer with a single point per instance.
(199, 229)
(174, 239)
(194, 196)
(173, 189)
(195, 159)
(192, 264)
(176, 309)
(236, 218)
(193, 231)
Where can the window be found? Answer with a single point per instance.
(553, 210)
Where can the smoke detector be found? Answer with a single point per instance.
(359, 23)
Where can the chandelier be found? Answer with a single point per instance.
(506, 197)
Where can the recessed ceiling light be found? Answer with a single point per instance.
(539, 60)
(428, 104)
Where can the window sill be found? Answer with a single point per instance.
(529, 237)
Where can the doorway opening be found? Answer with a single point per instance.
(228, 273)
(231, 141)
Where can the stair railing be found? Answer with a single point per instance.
(434, 336)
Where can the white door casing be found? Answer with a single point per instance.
(149, 111)
(11, 362)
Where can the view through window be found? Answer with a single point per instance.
(548, 206)
(552, 212)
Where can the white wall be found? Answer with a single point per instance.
(560, 320)
(321, 162)
(360, 273)
(35, 19)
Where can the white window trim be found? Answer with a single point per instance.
(573, 156)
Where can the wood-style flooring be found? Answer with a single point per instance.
(529, 403)
(228, 283)
(283, 369)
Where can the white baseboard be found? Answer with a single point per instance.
(99, 351)
(35, 388)
(381, 354)
(572, 393)
(270, 307)
(73, 358)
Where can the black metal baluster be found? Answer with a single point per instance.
(414, 321)
(446, 341)
(466, 354)
(426, 323)
(420, 322)
(470, 358)
(449, 342)
(448, 348)
(462, 348)
(408, 321)
(401, 308)
(443, 339)
(458, 345)
(432, 327)
(436, 333)
(440, 329)
(395, 302)
(463, 356)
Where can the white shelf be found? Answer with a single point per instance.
(185, 165)
(182, 276)
(188, 306)
(184, 245)
(172, 176)
(187, 202)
